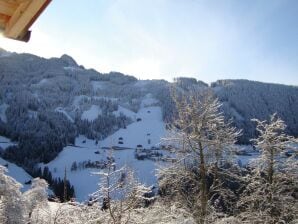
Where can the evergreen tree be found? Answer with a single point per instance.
(204, 136)
(270, 194)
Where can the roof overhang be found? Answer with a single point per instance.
(17, 16)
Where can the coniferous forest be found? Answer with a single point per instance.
(49, 107)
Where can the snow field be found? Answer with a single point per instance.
(147, 132)
(18, 173)
(92, 113)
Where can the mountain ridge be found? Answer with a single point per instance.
(43, 100)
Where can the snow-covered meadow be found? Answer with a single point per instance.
(147, 130)
(16, 172)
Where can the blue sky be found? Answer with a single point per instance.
(154, 39)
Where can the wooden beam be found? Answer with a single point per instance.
(7, 8)
(3, 21)
(24, 17)
(15, 17)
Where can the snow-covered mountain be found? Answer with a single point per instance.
(59, 113)
(146, 132)
(244, 100)
(46, 103)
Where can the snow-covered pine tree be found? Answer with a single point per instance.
(36, 200)
(119, 193)
(271, 192)
(203, 134)
(11, 201)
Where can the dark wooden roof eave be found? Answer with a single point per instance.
(17, 16)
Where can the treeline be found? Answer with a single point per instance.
(244, 100)
(88, 164)
(61, 188)
(39, 139)
(102, 126)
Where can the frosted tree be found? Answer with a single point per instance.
(271, 192)
(119, 193)
(36, 198)
(272, 141)
(11, 202)
(205, 136)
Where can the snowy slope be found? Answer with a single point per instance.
(14, 171)
(3, 108)
(61, 110)
(72, 68)
(126, 112)
(148, 101)
(78, 99)
(17, 173)
(4, 54)
(147, 132)
(99, 85)
(251, 154)
(92, 113)
(5, 142)
(83, 180)
(42, 82)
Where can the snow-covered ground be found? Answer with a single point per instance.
(5, 142)
(72, 68)
(14, 171)
(113, 99)
(148, 101)
(147, 131)
(83, 180)
(61, 110)
(246, 153)
(17, 173)
(99, 85)
(77, 100)
(4, 54)
(3, 108)
(142, 84)
(126, 112)
(43, 81)
(92, 113)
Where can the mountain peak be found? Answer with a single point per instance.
(69, 60)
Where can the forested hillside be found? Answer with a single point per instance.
(244, 100)
(46, 103)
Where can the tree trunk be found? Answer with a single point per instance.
(271, 167)
(203, 187)
(217, 157)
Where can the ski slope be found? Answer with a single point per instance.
(92, 113)
(147, 131)
(126, 112)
